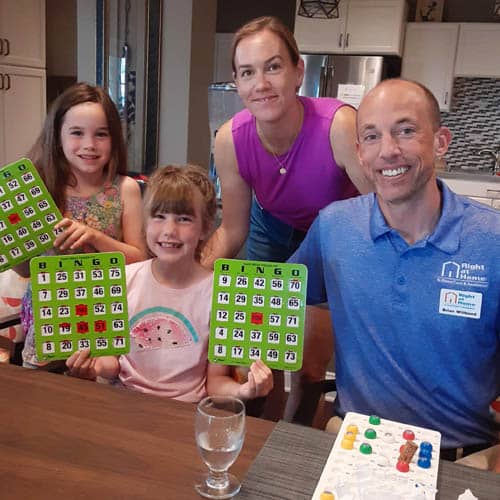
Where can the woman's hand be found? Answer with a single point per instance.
(74, 235)
(260, 381)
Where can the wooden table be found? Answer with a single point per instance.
(292, 460)
(64, 438)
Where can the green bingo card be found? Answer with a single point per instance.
(27, 214)
(79, 302)
(258, 312)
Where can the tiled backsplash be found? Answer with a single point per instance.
(474, 122)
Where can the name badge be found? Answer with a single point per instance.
(460, 303)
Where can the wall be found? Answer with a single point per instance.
(202, 53)
(186, 72)
(61, 25)
(474, 121)
(61, 43)
(231, 14)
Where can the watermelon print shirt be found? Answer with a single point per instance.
(168, 336)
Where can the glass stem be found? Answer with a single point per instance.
(217, 480)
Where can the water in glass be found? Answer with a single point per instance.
(219, 430)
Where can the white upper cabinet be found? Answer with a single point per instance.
(478, 52)
(375, 27)
(363, 27)
(429, 58)
(321, 35)
(22, 32)
(22, 110)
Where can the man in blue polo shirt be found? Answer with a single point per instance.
(412, 279)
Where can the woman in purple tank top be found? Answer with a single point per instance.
(281, 159)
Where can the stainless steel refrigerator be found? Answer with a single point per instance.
(324, 73)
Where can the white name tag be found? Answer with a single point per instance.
(460, 303)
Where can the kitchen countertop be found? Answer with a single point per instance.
(468, 175)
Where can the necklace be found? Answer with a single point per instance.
(281, 164)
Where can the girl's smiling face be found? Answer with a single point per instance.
(174, 237)
(85, 139)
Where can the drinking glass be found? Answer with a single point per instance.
(219, 432)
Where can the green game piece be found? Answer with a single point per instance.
(365, 448)
(370, 434)
(258, 312)
(80, 302)
(374, 420)
(27, 214)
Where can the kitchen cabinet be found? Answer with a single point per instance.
(22, 110)
(429, 58)
(22, 33)
(22, 76)
(363, 27)
(478, 51)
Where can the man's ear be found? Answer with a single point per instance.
(442, 140)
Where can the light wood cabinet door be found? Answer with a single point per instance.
(22, 110)
(321, 36)
(375, 27)
(363, 27)
(478, 52)
(22, 33)
(429, 58)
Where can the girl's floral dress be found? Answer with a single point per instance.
(101, 211)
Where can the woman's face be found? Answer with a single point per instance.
(266, 78)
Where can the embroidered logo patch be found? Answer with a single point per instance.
(464, 273)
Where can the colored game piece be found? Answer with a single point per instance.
(374, 420)
(79, 302)
(424, 462)
(403, 466)
(370, 434)
(425, 445)
(365, 448)
(350, 435)
(258, 312)
(371, 469)
(407, 451)
(327, 495)
(347, 444)
(409, 435)
(27, 214)
(353, 428)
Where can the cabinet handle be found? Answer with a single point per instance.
(1, 46)
(7, 43)
(7, 77)
(347, 40)
(340, 39)
(446, 97)
(1, 81)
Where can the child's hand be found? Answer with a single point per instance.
(74, 235)
(260, 381)
(81, 365)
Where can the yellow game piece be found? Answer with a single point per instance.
(347, 444)
(350, 435)
(326, 495)
(352, 428)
